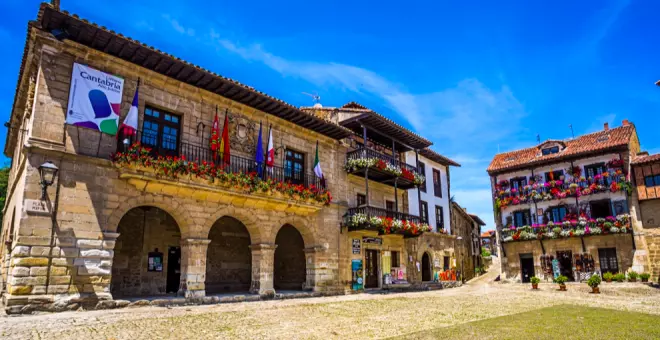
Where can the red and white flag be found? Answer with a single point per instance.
(270, 151)
(129, 127)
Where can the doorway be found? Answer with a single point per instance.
(527, 267)
(426, 268)
(173, 269)
(608, 261)
(565, 259)
(371, 268)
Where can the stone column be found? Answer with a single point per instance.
(193, 268)
(263, 264)
(317, 268)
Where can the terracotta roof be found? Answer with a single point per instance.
(593, 143)
(477, 219)
(646, 159)
(488, 233)
(436, 157)
(100, 38)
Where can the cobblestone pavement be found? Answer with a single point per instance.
(343, 317)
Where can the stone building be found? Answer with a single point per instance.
(466, 227)
(161, 213)
(570, 201)
(489, 241)
(646, 170)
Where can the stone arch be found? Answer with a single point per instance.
(228, 257)
(427, 269)
(301, 224)
(290, 268)
(247, 217)
(167, 204)
(147, 254)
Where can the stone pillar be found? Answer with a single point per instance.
(193, 268)
(263, 264)
(317, 268)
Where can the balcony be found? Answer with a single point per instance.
(382, 168)
(581, 227)
(384, 221)
(556, 190)
(190, 169)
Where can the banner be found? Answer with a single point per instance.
(94, 99)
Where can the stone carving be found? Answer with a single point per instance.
(242, 133)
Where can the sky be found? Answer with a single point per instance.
(476, 78)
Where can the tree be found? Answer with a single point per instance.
(4, 179)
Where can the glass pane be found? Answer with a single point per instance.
(147, 111)
(175, 119)
(168, 117)
(657, 180)
(649, 181)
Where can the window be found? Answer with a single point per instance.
(445, 262)
(549, 151)
(652, 181)
(518, 183)
(439, 218)
(389, 206)
(608, 262)
(294, 166)
(557, 214)
(553, 175)
(521, 218)
(437, 183)
(424, 212)
(421, 168)
(595, 169)
(160, 131)
(395, 259)
(361, 200)
(600, 209)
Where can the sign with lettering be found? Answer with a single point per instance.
(94, 99)
(37, 207)
(356, 246)
(372, 240)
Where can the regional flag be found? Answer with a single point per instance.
(317, 166)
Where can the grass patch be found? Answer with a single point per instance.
(559, 322)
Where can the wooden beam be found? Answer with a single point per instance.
(110, 43)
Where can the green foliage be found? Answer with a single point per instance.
(485, 253)
(594, 281)
(535, 280)
(644, 276)
(608, 276)
(4, 179)
(620, 277)
(561, 279)
(632, 275)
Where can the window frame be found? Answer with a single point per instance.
(387, 205)
(360, 197)
(520, 182)
(424, 212)
(439, 218)
(526, 216)
(552, 209)
(555, 178)
(597, 168)
(609, 207)
(158, 149)
(437, 185)
(421, 168)
(289, 166)
(550, 150)
(655, 181)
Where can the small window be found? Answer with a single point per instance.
(518, 183)
(521, 218)
(437, 183)
(600, 209)
(161, 131)
(554, 175)
(395, 259)
(421, 168)
(424, 212)
(652, 181)
(361, 200)
(439, 218)
(294, 166)
(549, 151)
(557, 214)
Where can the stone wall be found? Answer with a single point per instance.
(463, 225)
(437, 246)
(511, 262)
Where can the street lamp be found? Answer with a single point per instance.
(47, 172)
(459, 238)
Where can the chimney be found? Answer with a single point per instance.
(606, 126)
(625, 122)
(642, 153)
(56, 4)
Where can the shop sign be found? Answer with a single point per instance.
(372, 240)
(356, 246)
(356, 267)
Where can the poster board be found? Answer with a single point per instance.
(358, 279)
(94, 99)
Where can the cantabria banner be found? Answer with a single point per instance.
(94, 99)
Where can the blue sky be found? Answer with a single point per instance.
(473, 78)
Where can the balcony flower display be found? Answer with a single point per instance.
(247, 182)
(388, 225)
(356, 164)
(570, 228)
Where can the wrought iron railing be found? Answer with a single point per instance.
(380, 212)
(367, 153)
(171, 146)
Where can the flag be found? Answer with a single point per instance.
(224, 142)
(317, 166)
(259, 156)
(129, 127)
(215, 136)
(270, 150)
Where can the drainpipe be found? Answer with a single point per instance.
(419, 191)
